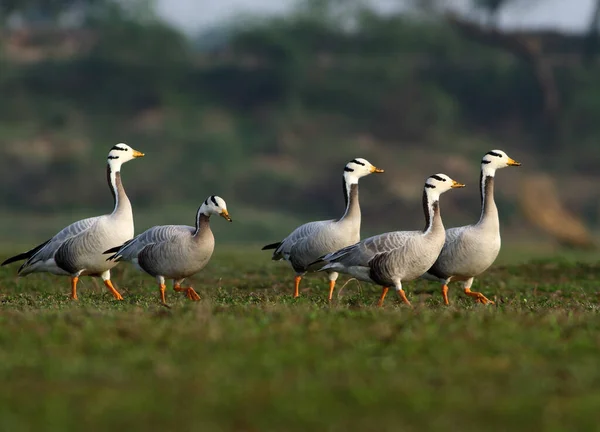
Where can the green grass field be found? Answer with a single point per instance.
(248, 357)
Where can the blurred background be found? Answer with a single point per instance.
(263, 102)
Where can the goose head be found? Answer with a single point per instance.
(497, 159)
(437, 184)
(121, 153)
(357, 168)
(215, 205)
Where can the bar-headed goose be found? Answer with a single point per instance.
(395, 257)
(78, 249)
(174, 251)
(470, 250)
(312, 240)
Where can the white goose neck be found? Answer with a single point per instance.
(121, 201)
(431, 208)
(202, 220)
(115, 164)
(350, 178)
(352, 207)
(487, 170)
(489, 211)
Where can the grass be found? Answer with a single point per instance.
(248, 357)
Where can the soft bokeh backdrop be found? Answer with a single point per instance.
(263, 104)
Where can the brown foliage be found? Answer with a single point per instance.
(543, 208)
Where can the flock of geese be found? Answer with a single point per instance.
(93, 246)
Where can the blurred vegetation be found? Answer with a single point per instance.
(266, 112)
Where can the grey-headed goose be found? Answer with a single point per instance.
(312, 240)
(174, 251)
(470, 250)
(395, 257)
(77, 249)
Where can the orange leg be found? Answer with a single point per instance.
(402, 295)
(383, 294)
(162, 288)
(74, 288)
(445, 294)
(112, 289)
(189, 292)
(479, 298)
(297, 280)
(331, 288)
